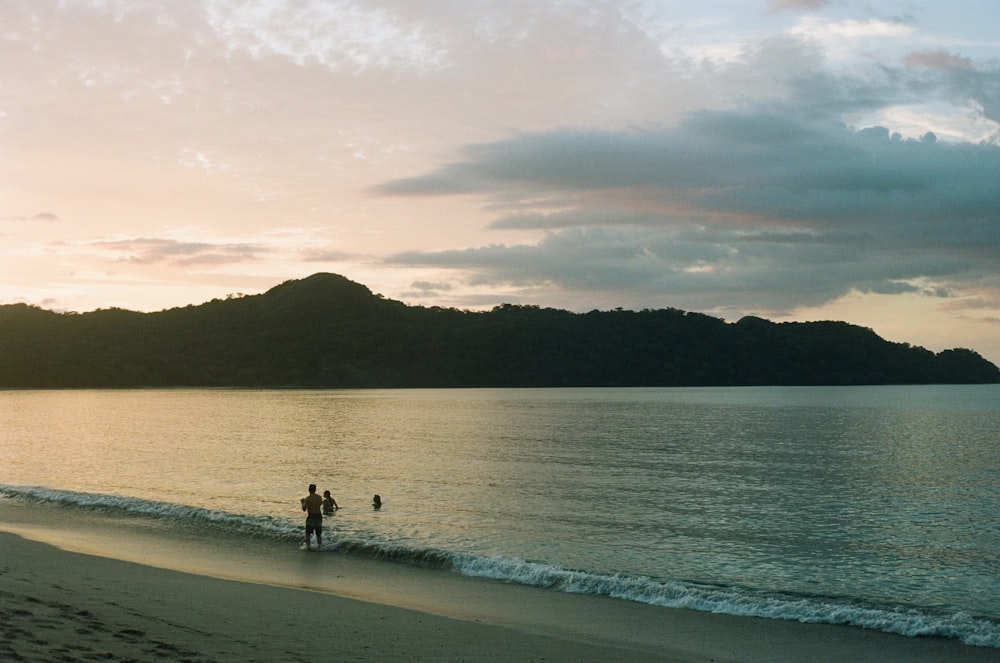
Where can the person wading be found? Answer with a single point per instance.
(312, 504)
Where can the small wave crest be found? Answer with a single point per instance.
(968, 628)
(963, 626)
(426, 557)
(179, 513)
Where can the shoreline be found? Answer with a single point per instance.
(84, 579)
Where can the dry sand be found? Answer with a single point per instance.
(78, 586)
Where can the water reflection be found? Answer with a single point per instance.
(870, 489)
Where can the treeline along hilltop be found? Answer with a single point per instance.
(327, 331)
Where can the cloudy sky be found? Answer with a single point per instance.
(792, 159)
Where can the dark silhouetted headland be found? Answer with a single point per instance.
(327, 331)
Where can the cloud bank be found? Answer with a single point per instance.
(769, 206)
(780, 157)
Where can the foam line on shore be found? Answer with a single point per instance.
(741, 602)
(431, 611)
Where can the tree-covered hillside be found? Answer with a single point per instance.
(327, 331)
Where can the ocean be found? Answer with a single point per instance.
(877, 507)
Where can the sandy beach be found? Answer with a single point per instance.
(77, 585)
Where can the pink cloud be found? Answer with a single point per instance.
(936, 60)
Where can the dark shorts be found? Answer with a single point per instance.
(314, 523)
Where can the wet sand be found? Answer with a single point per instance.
(78, 585)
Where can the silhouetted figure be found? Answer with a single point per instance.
(329, 504)
(312, 505)
(377, 502)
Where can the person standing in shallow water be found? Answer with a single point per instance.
(312, 504)
(329, 504)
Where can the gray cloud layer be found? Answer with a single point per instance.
(770, 207)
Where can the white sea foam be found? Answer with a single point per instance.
(876, 507)
(731, 601)
(669, 594)
(179, 513)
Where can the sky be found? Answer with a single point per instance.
(790, 159)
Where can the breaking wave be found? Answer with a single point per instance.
(968, 628)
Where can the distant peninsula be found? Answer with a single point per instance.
(328, 331)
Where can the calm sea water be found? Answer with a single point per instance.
(872, 506)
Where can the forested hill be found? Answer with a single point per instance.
(328, 331)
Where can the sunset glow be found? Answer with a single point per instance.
(792, 159)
